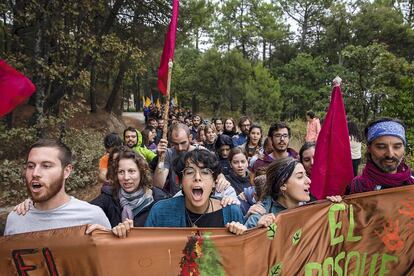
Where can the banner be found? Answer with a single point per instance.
(368, 234)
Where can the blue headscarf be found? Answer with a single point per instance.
(386, 128)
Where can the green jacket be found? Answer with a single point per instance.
(142, 150)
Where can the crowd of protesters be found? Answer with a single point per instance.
(202, 173)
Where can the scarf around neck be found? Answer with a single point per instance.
(372, 176)
(133, 203)
(238, 182)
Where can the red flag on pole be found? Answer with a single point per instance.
(168, 52)
(332, 167)
(15, 88)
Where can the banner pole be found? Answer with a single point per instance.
(167, 106)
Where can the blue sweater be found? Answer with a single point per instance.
(270, 206)
(171, 213)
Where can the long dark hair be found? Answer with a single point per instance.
(246, 147)
(354, 132)
(305, 147)
(234, 125)
(145, 135)
(277, 174)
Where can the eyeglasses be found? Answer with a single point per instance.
(190, 172)
(245, 125)
(279, 136)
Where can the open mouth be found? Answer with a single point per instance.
(307, 191)
(197, 193)
(127, 186)
(36, 186)
(240, 171)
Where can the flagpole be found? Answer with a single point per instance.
(167, 106)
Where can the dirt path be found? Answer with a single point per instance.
(134, 119)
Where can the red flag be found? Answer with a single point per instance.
(332, 167)
(168, 52)
(15, 88)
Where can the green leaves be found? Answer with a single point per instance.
(271, 231)
(296, 237)
(276, 270)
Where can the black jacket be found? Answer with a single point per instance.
(238, 182)
(113, 210)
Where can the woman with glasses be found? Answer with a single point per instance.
(197, 171)
(218, 124)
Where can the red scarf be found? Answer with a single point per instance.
(371, 177)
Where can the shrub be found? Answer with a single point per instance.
(86, 144)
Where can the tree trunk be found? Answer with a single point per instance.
(137, 94)
(243, 35)
(38, 80)
(264, 51)
(196, 39)
(57, 95)
(270, 53)
(118, 83)
(194, 103)
(92, 88)
(304, 33)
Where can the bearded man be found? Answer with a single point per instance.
(385, 166)
(48, 166)
(279, 134)
(133, 140)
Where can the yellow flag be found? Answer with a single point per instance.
(176, 100)
(148, 102)
(158, 104)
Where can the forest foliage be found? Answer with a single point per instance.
(271, 60)
(268, 59)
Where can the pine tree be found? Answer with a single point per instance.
(210, 260)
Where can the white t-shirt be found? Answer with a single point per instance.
(73, 213)
(355, 149)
